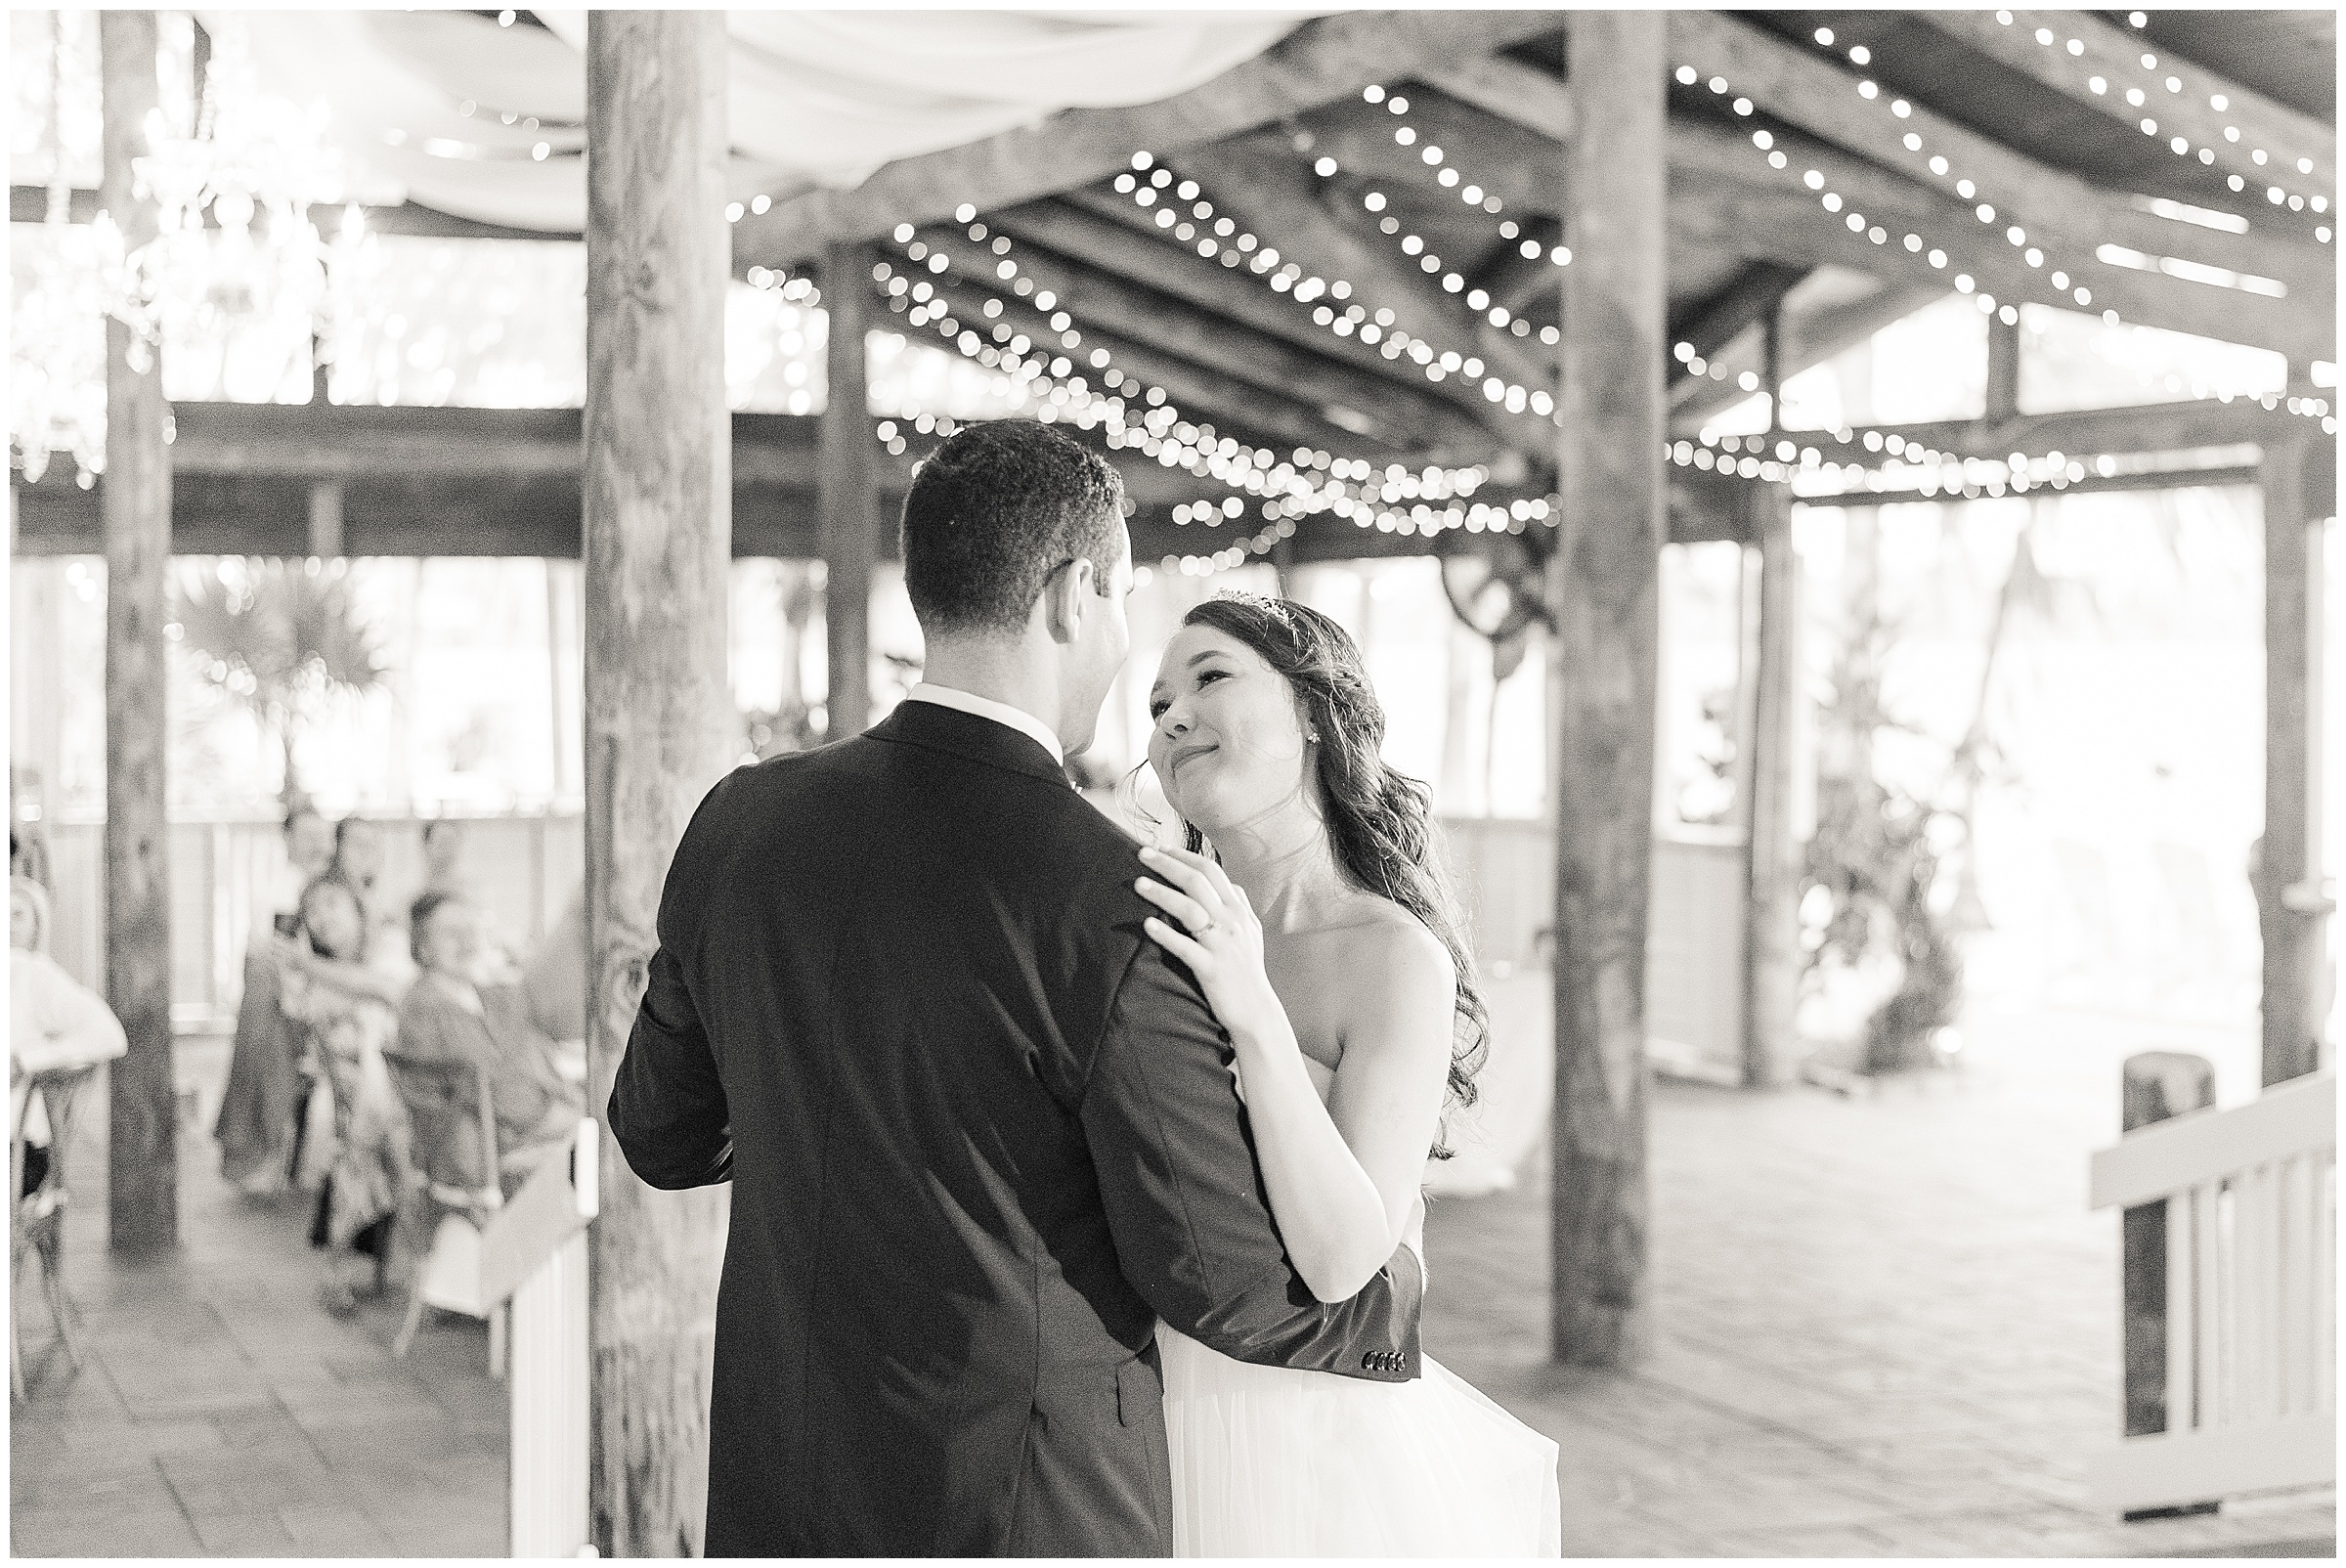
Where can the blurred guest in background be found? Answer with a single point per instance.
(54, 1020)
(444, 843)
(261, 1107)
(455, 1013)
(359, 858)
(29, 852)
(554, 979)
(359, 853)
(347, 1027)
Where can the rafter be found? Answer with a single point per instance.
(29, 203)
(1532, 98)
(1203, 391)
(2062, 213)
(2285, 133)
(1514, 279)
(1755, 294)
(1522, 168)
(1106, 232)
(1385, 409)
(2298, 328)
(1807, 338)
(2202, 424)
(1319, 61)
(1258, 178)
(1723, 196)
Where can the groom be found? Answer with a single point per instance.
(981, 1130)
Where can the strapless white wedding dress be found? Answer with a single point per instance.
(1269, 1462)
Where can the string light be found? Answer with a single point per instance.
(1939, 258)
(1182, 211)
(1286, 489)
(1448, 175)
(2031, 254)
(2143, 97)
(1914, 243)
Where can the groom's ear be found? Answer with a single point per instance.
(1065, 594)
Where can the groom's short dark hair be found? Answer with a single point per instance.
(993, 513)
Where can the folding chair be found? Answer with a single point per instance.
(446, 1217)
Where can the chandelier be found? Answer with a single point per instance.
(235, 265)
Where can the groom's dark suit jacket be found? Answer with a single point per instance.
(981, 1135)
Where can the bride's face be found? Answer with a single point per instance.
(1227, 741)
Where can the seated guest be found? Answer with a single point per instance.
(347, 1029)
(54, 1020)
(261, 1108)
(453, 1015)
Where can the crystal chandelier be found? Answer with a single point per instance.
(236, 262)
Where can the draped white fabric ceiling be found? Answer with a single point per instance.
(487, 122)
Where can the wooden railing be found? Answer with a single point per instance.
(523, 870)
(2251, 1299)
(534, 1255)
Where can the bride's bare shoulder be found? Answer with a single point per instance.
(1387, 953)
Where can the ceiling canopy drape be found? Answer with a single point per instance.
(487, 121)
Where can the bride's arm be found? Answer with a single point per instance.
(1342, 1178)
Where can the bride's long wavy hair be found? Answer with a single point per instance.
(1379, 821)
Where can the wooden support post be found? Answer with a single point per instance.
(2291, 902)
(1604, 591)
(2155, 1085)
(844, 500)
(658, 523)
(326, 519)
(2003, 368)
(143, 1157)
(1772, 928)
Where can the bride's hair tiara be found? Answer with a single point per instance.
(1276, 609)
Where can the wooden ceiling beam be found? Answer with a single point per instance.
(2217, 476)
(2297, 328)
(2069, 218)
(1515, 280)
(1106, 232)
(1723, 195)
(29, 203)
(1808, 339)
(2286, 134)
(1203, 392)
(440, 514)
(1378, 408)
(1756, 294)
(1522, 168)
(2205, 424)
(314, 443)
(1538, 100)
(1258, 178)
(1322, 60)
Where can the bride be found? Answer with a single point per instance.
(1322, 934)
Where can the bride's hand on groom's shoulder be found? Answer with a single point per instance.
(1208, 924)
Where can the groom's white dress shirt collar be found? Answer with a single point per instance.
(1001, 712)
